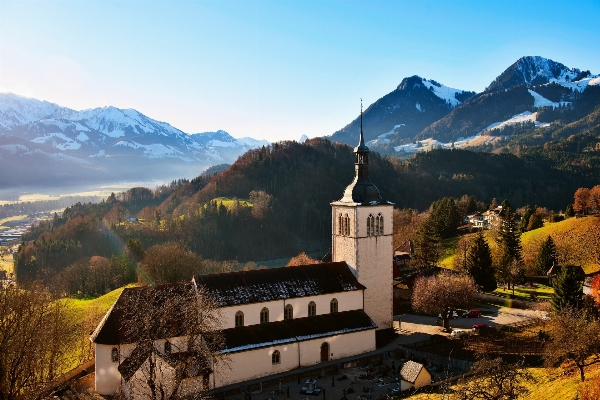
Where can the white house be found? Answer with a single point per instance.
(275, 320)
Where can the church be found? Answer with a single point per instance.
(274, 320)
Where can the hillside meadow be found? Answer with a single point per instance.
(577, 241)
(550, 384)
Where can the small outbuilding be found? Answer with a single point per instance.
(414, 375)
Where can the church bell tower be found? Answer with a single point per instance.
(362, 236)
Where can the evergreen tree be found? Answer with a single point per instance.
(479, 263)
(510, 260)
(568, 288)
(445, 217)
(569, 212)
(525, 218)
(546, 257)
(505, 204)
(428, 246)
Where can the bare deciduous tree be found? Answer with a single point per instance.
(35, 338)
(573, 337)
(301, 259)
(494, 379)
(176, 336)
(442, 293)
(460, 257)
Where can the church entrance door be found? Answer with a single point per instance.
(325, 352)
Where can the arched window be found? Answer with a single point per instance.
(289, 312)
(346, 225)
(380, 224)
(167, 347)
(339, 224)
(333, 305)
(370, 228)
(264, 315)
(239, 319)
(276, 357)
(114, 354)
(312, 309)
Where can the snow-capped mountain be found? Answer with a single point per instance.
(109, 139)
(533, 70)
(404, 112)
(529, 84)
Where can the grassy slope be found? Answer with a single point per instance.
(577, 240)
(548, 386)
(82, 308)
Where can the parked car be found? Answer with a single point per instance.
(472, 314)
(459, 333)
(480, 326)
(451, 314)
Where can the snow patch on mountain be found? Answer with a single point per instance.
(153, 150)
(443, 92)
(541, 101)
(517, 119)
(418, 107)
(303, 139)
(251, 143)
(63, 143)
(14, 148)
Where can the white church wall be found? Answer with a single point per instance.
(252, 313)
(108, 377)
(347, 301)
(252, 364)
(257, 363)
(351, 300)
(340, 346)
(163, 376)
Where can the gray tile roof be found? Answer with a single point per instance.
(258, 286)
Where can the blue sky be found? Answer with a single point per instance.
(274, 69)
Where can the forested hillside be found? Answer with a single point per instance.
(274, 202)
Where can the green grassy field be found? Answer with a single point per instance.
(542, 292)
(82, 308)
(578, 239)
(228, 202)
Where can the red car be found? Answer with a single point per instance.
(480, 326)
(472, 314)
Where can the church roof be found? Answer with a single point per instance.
(262, 285)
(295, 330)
(146, 312)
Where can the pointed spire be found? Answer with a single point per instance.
(361, 142)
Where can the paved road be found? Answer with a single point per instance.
(419, 327)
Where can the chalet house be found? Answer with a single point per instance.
(274, 320)
(493, 217)
(477, 221)
(414, 375)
